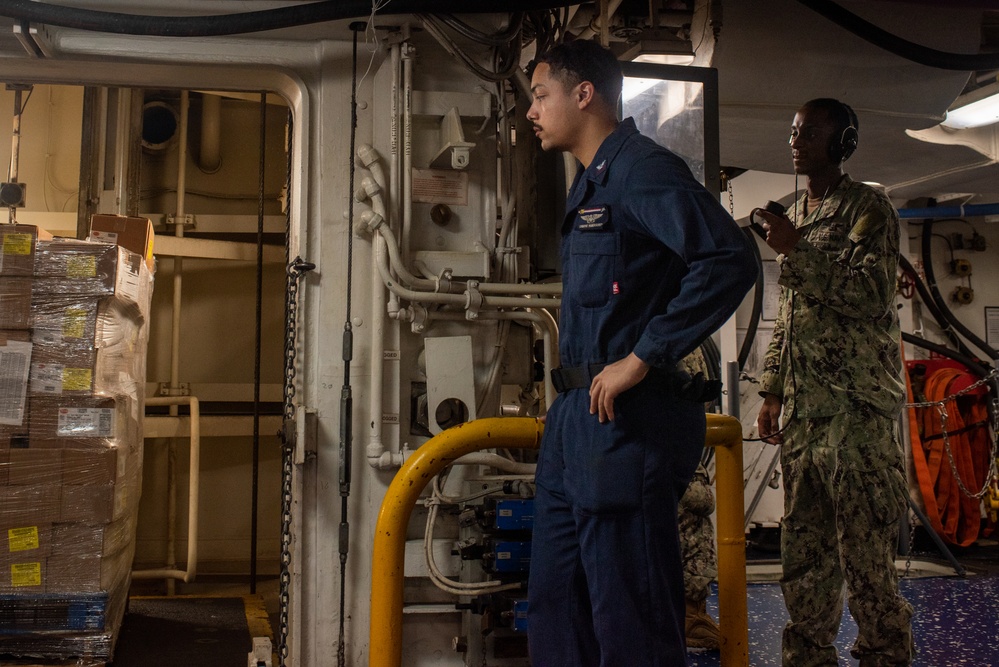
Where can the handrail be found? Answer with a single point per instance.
(388, 557)
(724, 433)
(191, 572)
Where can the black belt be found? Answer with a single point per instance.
(677, 384)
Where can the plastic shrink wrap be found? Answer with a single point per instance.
(73, 333)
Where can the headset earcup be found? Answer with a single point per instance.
(848, 142)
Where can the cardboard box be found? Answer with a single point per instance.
(90, 538)
(25, 540)
(67, 421)
(15, 302)
(81, 573)
(24, 574)
(30, 466)
(135, 234)
(69, 319)
(60, 370)
(89, 467)
(17, 249)
(76, 267)
(30, 505)
(71, 267)
(92, 504)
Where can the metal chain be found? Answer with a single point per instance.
(941, 408)
(912, 542)
(731, 196)
(294, 272)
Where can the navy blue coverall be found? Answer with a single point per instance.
(652, 264)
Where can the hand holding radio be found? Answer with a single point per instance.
(773, 226)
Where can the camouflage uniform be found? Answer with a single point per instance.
(836, 363)
(697, 537)
(697, 542)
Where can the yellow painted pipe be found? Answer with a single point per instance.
(725, 435)
(388, 557)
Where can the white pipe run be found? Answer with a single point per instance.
(546, 323)
(193, 494)
(178, 282)
(496, 461)
(210, 155)
(376, 451)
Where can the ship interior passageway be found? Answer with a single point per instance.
(256, 256)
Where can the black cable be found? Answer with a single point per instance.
(964, 62)
(989, 351)
(346, 393)
(931, 305)
(258, 325)
(244, 22)
(949, 244)
(754, 318)
(975, 366)
(490, 39)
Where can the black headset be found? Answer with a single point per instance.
(842, 147)
(841, 150)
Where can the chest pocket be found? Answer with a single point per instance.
(594, 260)
(831, 236)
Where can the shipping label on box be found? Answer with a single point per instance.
(62, 369)
(68, 420)
(23, 576)
(28, 541)
(64, 320)
(85, 423)
(57, 379)
(14, 356)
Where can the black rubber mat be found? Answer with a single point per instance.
(189, 631)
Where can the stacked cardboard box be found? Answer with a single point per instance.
(72, 370)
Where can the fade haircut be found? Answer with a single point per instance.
(580, 60)
(839, 112)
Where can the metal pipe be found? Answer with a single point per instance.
(388, 555)
(193, 494)
(178, 282)
(407, 144)
(724, 433)
(210, 155)
(961, 211)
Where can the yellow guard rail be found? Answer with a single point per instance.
(388, 557)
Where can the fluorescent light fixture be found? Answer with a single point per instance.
(975, 109)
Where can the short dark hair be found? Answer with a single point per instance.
(579, 60)
(839, 112)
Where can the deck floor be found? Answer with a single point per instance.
(956, 622)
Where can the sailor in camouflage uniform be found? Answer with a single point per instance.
(700, 562)
(834, 366)
(697, 540)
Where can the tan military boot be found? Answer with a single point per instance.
(700, 628)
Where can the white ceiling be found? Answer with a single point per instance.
(773, 55)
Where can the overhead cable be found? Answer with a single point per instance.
(243, 22)
(924, 55)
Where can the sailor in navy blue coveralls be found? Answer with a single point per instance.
(652, 265)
